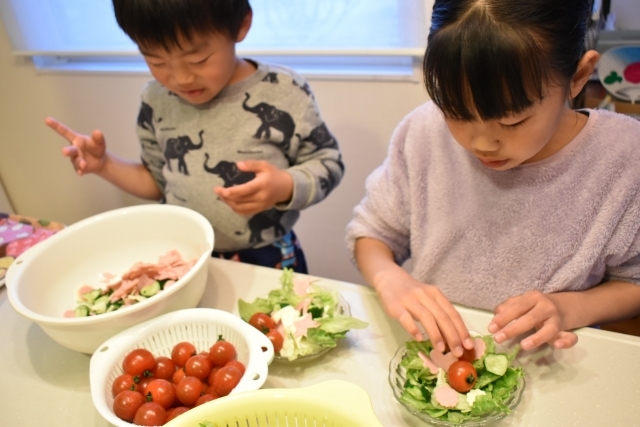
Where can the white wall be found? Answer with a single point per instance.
(40, 182)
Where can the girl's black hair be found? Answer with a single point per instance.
(160, 22)
(487, 59)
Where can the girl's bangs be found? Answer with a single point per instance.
(471, 73)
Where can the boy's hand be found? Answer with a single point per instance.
(410, 302)
(269, 187)
(532, 310)
(87, 153)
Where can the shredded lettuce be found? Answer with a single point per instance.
(491, 392)
(322, 305)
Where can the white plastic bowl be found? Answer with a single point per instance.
(199, 326)
(42, 282)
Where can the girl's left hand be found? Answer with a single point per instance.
(532, 310)
(269, 187)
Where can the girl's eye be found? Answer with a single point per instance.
(200, 62)
(513, 126)
(156, 65)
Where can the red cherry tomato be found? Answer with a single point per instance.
(150, 414)
(226, 379)
(212, 391)
(178, 375)
(238, 365)
(124, 382)
(462, 376)
(181, 352)
(468, 355)
(212, 374)
(175, 412)
(164, 368)
(204, 399)
(162, 392)
(222, 352)
(189, 390)
(139, 362)
(276, 339)
(262, 322)
(142, 385)
(126, 403)
(198, 366)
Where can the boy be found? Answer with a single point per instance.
(241, 142)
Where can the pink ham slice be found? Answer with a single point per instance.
(428, 363)
(446, 396)
(304, 324)
(442, 360)
(480, 347)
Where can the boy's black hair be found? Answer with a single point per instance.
(160, 22)
(487, 59)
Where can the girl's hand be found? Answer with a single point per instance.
(87, 153)
(412, 302)
(269, 187)
(532, 310)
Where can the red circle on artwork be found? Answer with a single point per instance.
(632, 73)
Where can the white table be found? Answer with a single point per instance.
(596, 383)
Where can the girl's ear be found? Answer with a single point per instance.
(585, 69)
(244, 27)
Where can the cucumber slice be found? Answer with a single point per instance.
(81, 311)
(496, 363)
(91, 296)
(150, 290)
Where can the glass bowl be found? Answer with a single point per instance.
(397, 379)
(342, 308)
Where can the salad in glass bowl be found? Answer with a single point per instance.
(480, 387)
(303, 320)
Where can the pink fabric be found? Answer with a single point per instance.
(483, 236)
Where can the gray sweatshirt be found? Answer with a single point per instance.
(272, 115)
(566, 223)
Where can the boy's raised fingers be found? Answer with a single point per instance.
(61, 129)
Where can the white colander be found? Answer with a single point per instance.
(199, 326)
(332, 403)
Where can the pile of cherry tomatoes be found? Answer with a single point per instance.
(265, 324)
(154, 390)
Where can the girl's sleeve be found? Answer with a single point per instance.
(151, 153)
(385, 212)
(624, 265)
(317, 167)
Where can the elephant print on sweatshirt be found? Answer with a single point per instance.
(320, 137)
(271, 117)
(145, 117)
(177, 148)
(263, 221)
(271, 78)
(329, 182)
(229, 172)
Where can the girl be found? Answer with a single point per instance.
(504, 198)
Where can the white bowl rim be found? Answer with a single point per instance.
(68, 321)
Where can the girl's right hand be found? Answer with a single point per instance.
(412, 302)
(87, 153)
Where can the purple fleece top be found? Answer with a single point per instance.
(566, 223)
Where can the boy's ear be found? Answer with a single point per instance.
(244, 28)
(585, 69)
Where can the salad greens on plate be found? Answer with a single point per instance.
(496, 389)
(309, 318)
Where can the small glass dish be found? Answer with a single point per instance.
(342, 308)
(397, 379)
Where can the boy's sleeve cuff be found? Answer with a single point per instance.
(302, 188)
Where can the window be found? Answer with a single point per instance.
(340, 37)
